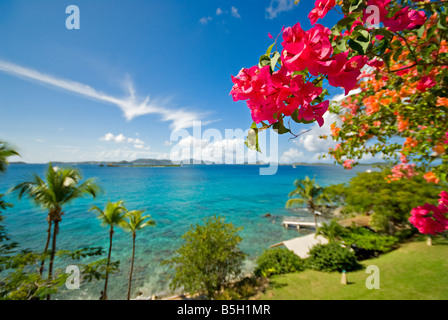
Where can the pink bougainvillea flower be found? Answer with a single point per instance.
(425, 84)
(403, 171)
(444, 199)
(405, 19)
(374, 63)
(348, 164)
(344, 73)
(429, 219)
(310, 49)
(320, 10)
(309, 113)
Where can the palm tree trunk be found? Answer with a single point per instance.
(53, 251)
(132, 267)
(315, 217)
(42, 264)
(108, 264)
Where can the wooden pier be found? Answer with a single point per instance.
(300, 224)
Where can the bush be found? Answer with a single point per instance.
(209, 259)
(367, 243)
(243, 289)
(278, 261)
(331, 258)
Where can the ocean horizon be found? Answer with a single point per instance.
(176, 198)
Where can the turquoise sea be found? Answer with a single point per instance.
(175, 198)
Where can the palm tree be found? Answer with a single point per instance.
(6, 151)
(112, 216)
(62, 186)
(134, 223)
(309, 193)
(331, 230)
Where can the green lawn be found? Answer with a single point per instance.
(412, 272)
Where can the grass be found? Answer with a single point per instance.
(415, 271)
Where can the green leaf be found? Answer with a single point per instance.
(274, 60)
(281, 129)
(264, 61)
(420, 31)
(252, 138)
(440, 25)
(358, 46)
(355, 6)
(268, 52)
(345, 22)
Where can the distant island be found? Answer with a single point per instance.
(141, 163)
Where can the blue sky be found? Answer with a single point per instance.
(79, 95)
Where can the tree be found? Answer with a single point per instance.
(62, 186)
(209, 258)
(309, 193)
(6, 151)
(401, 107)
(112, 216)
(394, 53)
(388, 201)
(134, 223)
(332, 231)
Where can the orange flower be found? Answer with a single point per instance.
(410, 143)
(439, 149)
(402, 124)
(335, 130)
(372, 105)
(430, 177)
(442, 102)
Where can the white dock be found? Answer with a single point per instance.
(300, 224)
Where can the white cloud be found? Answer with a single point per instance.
(278, 6)
(142, 147)
(136, 141)
(228, 151)
(342, 96)
(235, 13)
(120, 138)
(205, 20)
(131, 106)
(312, 142)
(110, 137)
(138, 144)
(219, 12)
(291, 155)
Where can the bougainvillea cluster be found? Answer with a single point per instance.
(431, 219)
(391, 59)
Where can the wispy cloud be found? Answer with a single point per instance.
(121, 138)
(235, 13)
(219, 12)
(205, 20)
(131, 105)
(278, 6)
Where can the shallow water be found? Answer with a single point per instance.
(175, 198)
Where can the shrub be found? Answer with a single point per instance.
(278, 261)
(367, 243)
(331, 258)
(243, 289)
(209, 259)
